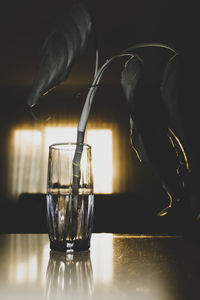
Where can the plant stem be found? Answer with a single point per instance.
(145, 45)
(88, 103)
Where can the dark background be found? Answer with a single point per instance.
(119, 24)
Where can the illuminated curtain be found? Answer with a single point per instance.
(29, 157)
(113, 158)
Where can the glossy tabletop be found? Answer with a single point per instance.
(116, 267)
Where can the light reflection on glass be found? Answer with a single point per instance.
(102, 258)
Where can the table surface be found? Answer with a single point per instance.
(116, 267)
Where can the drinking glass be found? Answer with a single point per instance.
(70, 199)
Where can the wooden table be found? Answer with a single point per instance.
(116, 267)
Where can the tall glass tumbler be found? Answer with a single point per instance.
(70, 199)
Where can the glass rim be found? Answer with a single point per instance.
(56, 145)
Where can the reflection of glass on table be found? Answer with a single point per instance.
(69, 276)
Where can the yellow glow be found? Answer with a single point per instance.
(180, 145)
(102, 258)
(164, 211)
(29, 136)
(29, 158)
(55, 135)
(25, 267)
(25, 156)
(102, 161)
(147, 236)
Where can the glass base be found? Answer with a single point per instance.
(70, 246)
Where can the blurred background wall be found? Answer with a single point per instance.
(119, 24)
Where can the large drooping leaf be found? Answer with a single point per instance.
(60, 49)
(172, 96)
(132, 82)
(171, 92)
(150, 130)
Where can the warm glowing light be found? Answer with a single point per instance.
(55, 135)
(45, 260)
(25, 267)
(29, 158)
(28, 136)
(181, 147)
(21, 273)
(32, 268)
(61, 277)
(102, 164)
(27, 143)
(102, 258)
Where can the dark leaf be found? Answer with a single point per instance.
(132, 78)
(60, 49)
(150, 129)
(170, 91)
(132, 81)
